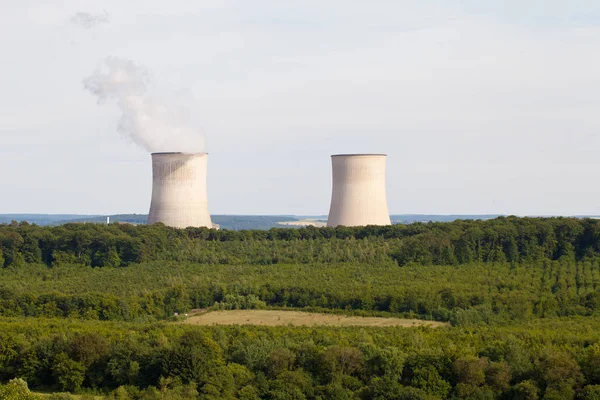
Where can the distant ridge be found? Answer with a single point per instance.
(232, 222)
(238, 222)
(41, 219)
(411, 218)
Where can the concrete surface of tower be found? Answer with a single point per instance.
(358, 195)
(179, 195)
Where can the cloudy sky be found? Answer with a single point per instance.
(481, 106)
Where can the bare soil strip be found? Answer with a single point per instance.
(297, 318)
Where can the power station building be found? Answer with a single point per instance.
(179, 194)
(359, 190)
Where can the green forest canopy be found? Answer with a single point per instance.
(503, 239)
(86, 307)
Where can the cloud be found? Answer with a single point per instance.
(88, 20)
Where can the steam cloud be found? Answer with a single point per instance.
(149, 120)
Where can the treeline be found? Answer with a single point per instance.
(180, 362)
(470, 294)
(511, 239)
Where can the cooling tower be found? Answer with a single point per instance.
(358, 196)
(179, 196)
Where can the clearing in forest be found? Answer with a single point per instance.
(72, 396)
(297, 318)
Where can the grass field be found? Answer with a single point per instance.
(45, 395)
(297, 318)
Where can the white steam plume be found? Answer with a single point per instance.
(149, 120)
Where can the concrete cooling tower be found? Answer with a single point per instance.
(179, 196)
(358, 197)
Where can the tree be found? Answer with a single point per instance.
(280, 360)
(16, 389)
(497, 376)
(87, 348)
(525, 390)
(248, 392)
(429, 380)
(387, 389)
(10, 242)
(336, 391)
(590, 392)
(291, 385)
(387, 361)
(561, 373)
(91, 350)
(194, 359)
(470, 375)
(68, 373)
(219, 385)
(559, 391)
(591, 364)
(337, 361)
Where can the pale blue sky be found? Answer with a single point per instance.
(482, 106)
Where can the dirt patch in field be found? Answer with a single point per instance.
(297, 318)
(73, 396)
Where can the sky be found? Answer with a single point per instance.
(481, 106)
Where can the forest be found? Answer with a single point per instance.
(505, 239)
(91, 309)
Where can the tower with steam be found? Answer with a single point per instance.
(358, 194)
(179, 195)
